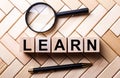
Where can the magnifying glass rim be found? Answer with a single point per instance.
(28, 11)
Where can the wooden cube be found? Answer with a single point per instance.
(43, 45)
(91, 45)
(75, 44)
(59, 45)
(27, 45)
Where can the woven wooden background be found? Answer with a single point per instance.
(103, 22)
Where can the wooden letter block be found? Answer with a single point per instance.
(91, 45)
(59, 45)
(27, 45)
(43, 45)
(75, 44)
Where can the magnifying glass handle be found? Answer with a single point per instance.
(74, 12)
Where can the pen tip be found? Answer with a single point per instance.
(30, 70)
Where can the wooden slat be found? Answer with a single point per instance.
(58, 58)
(91, 4)
(75, 34)
(105, 50)
(20, 37)
(112, 41)
(21, 5)
(56, 4)
(30, 33)
(57, 34)
(97, 67)
(69, 27)
(115, 28)
(91, 58)
(18, 28)
(108, 4)
(49, 62)
(41, 58)
(117, 75)
(73, 4)
(117, 1)
(12, 70)
(2, 15)
(8, 21)
(24, 72)
(3, 66)
(6, 55)
(75, 57)
(108, 20)
(5, 8)
(91, 20)
(34, 1)
(13, 46)
(77, 72)
(111, 69)
(61, 74)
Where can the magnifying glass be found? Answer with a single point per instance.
(41, 17)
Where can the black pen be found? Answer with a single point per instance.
(59, 67)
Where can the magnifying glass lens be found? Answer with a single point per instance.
(41, 17)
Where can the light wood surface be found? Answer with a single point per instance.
(103, 22)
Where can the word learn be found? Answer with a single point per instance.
(60, 45)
